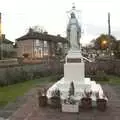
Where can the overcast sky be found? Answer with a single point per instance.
(19, 15)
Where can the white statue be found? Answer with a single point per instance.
(74, 71)
(74, 32)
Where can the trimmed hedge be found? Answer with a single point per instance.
(20, 75)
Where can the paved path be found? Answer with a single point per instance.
(31, 111)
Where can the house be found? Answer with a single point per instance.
(5, 44)
(40, 45)
(6, 48)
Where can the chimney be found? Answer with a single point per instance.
(45, 32)
(3, 36)
(58, 35)
(30, 30)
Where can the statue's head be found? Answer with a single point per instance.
(73, 15)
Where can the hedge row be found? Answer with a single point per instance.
(16, 76)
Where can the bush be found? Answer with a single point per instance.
(101, 76)
(14, 76)
(39, 74)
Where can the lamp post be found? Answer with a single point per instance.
(104, 44)
(109, 33)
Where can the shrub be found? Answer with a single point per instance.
(14, 76)
(2, 83)
(8, 77)
(23, 75)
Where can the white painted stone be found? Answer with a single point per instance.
(70, 108)
(74, 71)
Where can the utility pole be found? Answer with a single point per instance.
(109, 33)
(109, 25)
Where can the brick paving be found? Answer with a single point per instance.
(31, 111)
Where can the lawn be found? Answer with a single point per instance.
(11, 92)
(115, 80)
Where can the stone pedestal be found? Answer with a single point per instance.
(74, 72)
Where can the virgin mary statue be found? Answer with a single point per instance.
(73, 33)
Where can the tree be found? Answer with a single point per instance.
(104, 41)
(39, 29)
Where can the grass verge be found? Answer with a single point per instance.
(112, 80)
(11, 92)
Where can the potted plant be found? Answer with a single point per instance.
(55, 99)
(86, 101)
(70, 105)
(42, 98)
(101, 102)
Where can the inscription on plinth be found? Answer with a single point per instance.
(73, 60)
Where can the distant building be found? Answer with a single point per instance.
(40, 45)
(5, 44)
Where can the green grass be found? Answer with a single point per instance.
(112, 80)
(11, 92)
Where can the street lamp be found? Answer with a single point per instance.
(104, 44)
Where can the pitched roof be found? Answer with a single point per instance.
(6, 41)
(42, 36)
